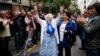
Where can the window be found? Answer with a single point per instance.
(6, 0)
(17, 1)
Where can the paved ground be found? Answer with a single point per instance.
(21, 52)
(34, 50)
(13, 49)
(75, 51)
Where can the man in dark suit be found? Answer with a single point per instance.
(92, 31)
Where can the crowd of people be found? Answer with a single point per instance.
(55, 33)
(20, 26)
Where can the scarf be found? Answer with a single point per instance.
(50, 30)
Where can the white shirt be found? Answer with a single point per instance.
(62, 29)
(33, 23)
(27, 21)
(6, 32)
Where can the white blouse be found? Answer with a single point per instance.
(62, 29)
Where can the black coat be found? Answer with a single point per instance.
(19, 23)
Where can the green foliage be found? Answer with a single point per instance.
(74, 8)
(45, 9)
(48, 1)
(52, 8)
(53, 5)
(56, 2)
(36, 0)
(63, 2)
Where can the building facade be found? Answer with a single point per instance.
(14, 5)
(83, 4)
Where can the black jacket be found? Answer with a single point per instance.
(92, 31)
(19, 23)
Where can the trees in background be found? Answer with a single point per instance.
(53, 5)
(74, 8)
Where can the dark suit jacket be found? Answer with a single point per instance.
(92, 31)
